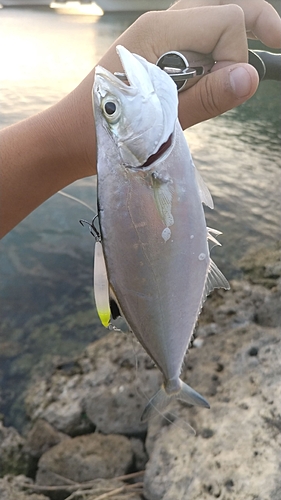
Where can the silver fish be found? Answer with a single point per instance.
(153, 229)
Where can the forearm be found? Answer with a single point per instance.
(45, 153)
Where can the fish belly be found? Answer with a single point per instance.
(155, 245)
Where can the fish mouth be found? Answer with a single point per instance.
(131, 78)
(114, 80)
(135, 71)
(124, 84)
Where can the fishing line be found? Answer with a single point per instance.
(176, 419)
(73, 198)
(93, 231)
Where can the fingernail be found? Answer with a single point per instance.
(240, 81)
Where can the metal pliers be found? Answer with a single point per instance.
(187, 67)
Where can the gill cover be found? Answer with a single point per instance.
(141, 116)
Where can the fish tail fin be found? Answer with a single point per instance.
(162, 398)
(157, 404)
(191, 396)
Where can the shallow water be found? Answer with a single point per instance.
(46, 262)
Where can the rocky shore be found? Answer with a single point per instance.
(86, 441)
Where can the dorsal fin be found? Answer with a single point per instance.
(205, 194)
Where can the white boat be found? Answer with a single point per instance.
(77, 8)
(25, 3)
(133, 5)
(105, 5)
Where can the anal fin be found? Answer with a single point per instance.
(215, 279)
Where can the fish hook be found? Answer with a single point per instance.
(92, 228)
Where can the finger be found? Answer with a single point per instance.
(260, 17)
(262, 20)
(218, 29)
(216, 93)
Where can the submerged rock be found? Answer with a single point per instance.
(13, 457)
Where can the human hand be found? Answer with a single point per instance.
(205, 26)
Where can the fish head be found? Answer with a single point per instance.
(139, 117)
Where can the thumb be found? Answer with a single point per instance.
(217, 92)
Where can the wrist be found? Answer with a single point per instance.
(71, 126)
(45, 153)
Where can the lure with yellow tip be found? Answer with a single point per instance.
(101, 290)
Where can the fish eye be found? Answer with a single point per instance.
(111, 108)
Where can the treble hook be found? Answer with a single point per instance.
(93, 230)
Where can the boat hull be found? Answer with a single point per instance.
(133, 5)
(105, 5)
(25, 3)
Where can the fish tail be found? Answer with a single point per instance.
(162, 399)
(156, 404)
(191, 397)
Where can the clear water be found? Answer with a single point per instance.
(46, 262)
